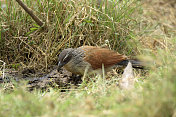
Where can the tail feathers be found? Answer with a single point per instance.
(135, 63)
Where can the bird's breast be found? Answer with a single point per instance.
(76, 67)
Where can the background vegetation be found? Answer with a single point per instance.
(131, 27)
(69, 24)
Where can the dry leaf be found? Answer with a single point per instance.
(127, 81)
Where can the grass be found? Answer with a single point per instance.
(69, 24)
(131, 27)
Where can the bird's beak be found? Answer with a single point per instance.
(60, 65)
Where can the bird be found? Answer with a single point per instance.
(92, 58)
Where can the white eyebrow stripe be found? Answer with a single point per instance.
(59, 62)
(65, 56)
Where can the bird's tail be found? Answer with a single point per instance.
(135, 63)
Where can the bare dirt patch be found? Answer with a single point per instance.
(62, 79)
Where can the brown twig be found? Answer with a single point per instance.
(30, 12)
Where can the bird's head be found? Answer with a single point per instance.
(64, 57)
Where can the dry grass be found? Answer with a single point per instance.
(69, 24)
(158, 23)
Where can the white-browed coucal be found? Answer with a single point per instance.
(76, 60)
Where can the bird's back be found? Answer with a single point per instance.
(97, 56)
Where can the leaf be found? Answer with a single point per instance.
(127, 81)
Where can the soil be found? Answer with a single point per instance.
(62, 79)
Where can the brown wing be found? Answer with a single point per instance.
(97, 56)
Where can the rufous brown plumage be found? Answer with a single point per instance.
(77, 60)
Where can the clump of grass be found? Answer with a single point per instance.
(69, 24)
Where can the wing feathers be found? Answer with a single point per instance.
(97, 56)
